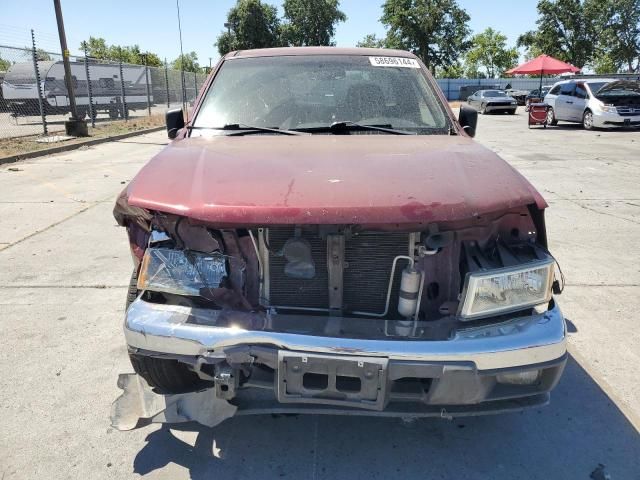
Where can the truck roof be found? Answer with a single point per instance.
(302, 51)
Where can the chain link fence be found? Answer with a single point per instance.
(34, 98)
(461, 88)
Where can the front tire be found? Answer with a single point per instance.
(166, 375)
(551, 117)
(587, 120)
(483, 109)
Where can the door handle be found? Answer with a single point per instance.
(570, 103)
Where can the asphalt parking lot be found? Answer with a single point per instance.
(64, 268)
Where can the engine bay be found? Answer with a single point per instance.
(352, 280)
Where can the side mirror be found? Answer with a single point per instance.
(175, 121)
(468, 120)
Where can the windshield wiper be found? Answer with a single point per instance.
(242, 129)
(347, 125)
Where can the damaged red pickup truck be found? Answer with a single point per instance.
(323, 235)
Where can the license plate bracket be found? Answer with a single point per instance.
(347, 381)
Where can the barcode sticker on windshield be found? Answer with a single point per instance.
(394, 62)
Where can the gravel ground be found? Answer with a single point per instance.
(64, 267)
(22, 126)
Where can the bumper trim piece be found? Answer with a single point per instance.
(406, 410)
(139, 406)
(180, 330)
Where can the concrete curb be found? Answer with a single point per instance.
(74, 146)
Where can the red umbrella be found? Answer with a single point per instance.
(543, 64)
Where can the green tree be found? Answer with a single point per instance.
(490, 52)
(603, 63)
(372, 41)
(532, 51)
(452, 71)
(472, 71)
(253, 24)
(98, 48)
(226, 43)
(43, 55)
(435, 30)
(565, 31)
(153, 60)
(188, 61)
(4, 65)
(311, 22)
(618, 24)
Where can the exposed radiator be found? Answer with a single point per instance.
(368, 259)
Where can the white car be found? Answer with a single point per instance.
(597, 103)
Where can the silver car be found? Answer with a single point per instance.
(597, 103)
(486, 101)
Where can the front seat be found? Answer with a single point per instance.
(363, 100)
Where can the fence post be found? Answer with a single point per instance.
(37, 72)
(195, 86)
(125, 113)
(92, 113)
(183, 86)
(166, 82)
(146, 76)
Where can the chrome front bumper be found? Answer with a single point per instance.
(615, 120)
(179, 330)
(497, 108)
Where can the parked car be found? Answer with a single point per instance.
(537, 94)
(467, 90)
(323, 233)
(519, 95)
(597, 103)
(487, 101)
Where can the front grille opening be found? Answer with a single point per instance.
(433, 290)
(315, 381)
(411, 385)
(348, 384)
(368, 257)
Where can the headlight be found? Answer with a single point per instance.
(180, 272)
(608, 108)
(507, 289)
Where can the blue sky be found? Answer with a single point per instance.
(152, 24)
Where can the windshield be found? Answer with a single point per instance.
(620, 89)
(494, 93)
(596, 86)
(307, 92)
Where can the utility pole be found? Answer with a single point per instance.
(74, 126)
(184, 88)
(146, 76)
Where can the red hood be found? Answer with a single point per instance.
(323, 179)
